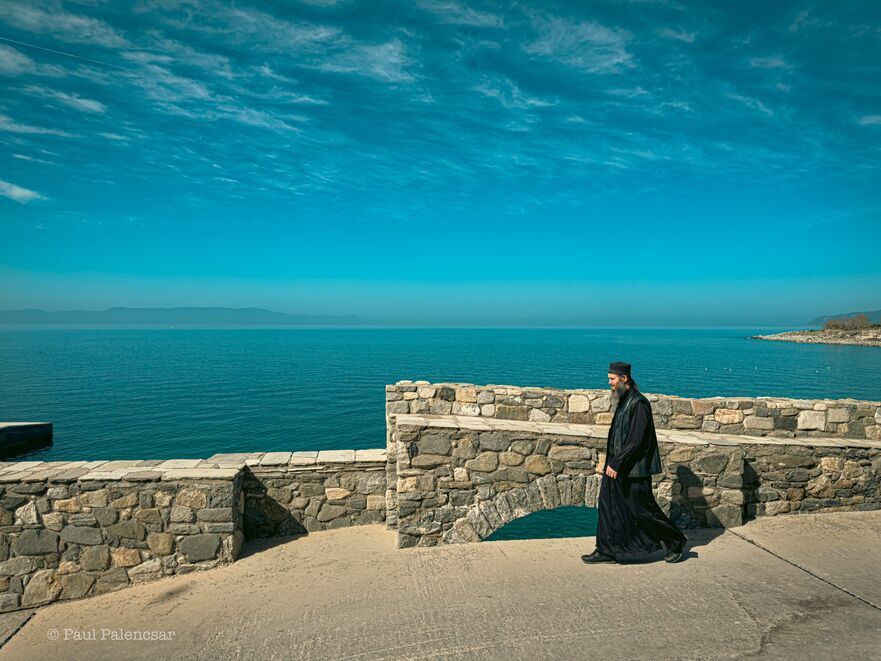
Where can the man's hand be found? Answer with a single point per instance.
(611, 472)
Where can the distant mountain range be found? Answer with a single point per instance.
(874, 316)
(181, 316)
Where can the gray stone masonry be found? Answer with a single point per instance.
(771, 417)
(460, 478)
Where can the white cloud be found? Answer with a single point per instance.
(386, 62)
(509, 95)
(10, 125)
(13, 63)
(63, 25)
(687, 37)
(628, 93)
(870, 120)
(453, 12)
(750, 102)
(18, 194)
(71, 100)
(587, 46)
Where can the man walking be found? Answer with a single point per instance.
(631, 524)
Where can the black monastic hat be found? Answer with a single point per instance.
(619, 368)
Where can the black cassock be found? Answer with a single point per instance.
(631, 525)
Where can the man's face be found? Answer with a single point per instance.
(617, 384)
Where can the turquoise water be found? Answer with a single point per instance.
(561, 522)
(177, 393)
(161, 394)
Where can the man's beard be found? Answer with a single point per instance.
(617, 391)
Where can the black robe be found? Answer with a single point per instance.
(631, 525)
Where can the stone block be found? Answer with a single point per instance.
(569, 453)
(125, 557)
(812, 420)
(728, 416)
(537, 415)
(95, 558)
(505, 412)
(537, 464)
(35, 542)
(756, 423)
(200, 547)
(96, 498)
(76, 586)
(465, 409)
(432, 443)
(82, 535)
(192, 498)
(125, 529)
(160, 543)
(484, 462)
(329, 512)
(428, 460)
(686, 422)
(67, 505)
(41, 589)
(579, 404)
(510, 459)
(126, 501)
(112, 579)
(335, 493)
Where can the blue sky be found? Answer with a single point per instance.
(437, 162)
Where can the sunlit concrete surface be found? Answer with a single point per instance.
(350, 594)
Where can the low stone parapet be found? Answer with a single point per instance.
(460, 478)
(72, 529)
(292, 493)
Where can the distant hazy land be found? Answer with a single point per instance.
(179, 316)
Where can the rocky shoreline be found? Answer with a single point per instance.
(865, 337)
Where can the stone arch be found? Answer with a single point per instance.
(545, 493)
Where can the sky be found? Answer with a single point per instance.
(441, 162)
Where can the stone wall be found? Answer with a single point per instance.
(292, 493)
(459, 478)
(753, 416)
(72, 529)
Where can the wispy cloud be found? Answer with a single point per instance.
(10, 125)
(62, 25)
(586, 45)
(750, 102)
(387, 62)
(13, 63)
(70, 100)
(687, 37)
(447, 11)
(509, 95)
(18, 194)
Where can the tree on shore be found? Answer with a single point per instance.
(856, 322)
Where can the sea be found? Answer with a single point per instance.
(164, 393)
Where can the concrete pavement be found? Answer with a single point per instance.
(805, 586)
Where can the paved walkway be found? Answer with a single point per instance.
(801, 586)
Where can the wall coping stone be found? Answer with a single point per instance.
(218, 467)
(688, 437)
(511, 390)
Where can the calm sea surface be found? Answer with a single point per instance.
(190, 393)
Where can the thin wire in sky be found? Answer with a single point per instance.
(59, 52)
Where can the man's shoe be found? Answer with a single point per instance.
(597, 557)
(675, 553)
